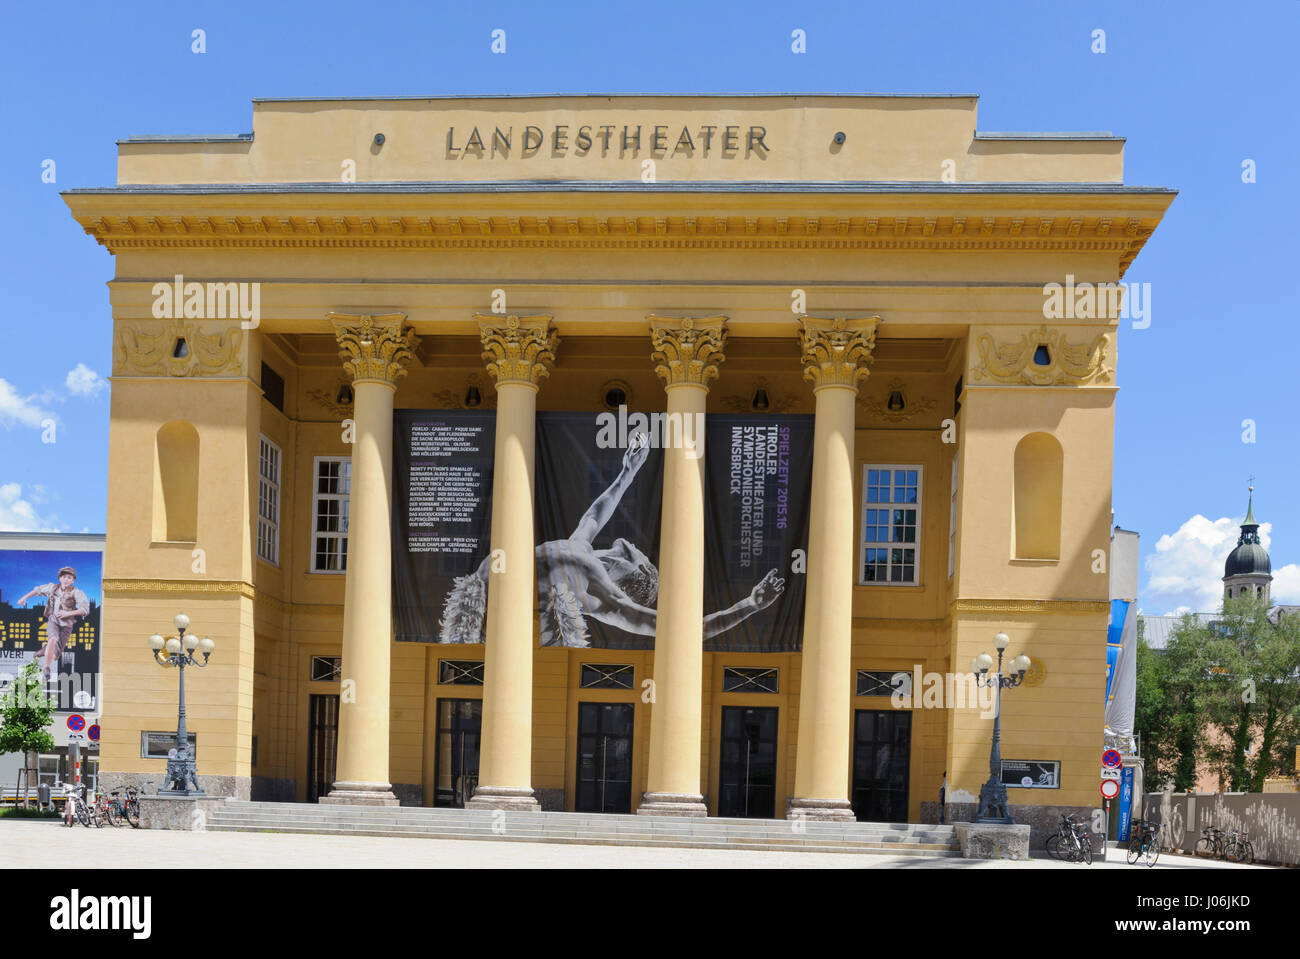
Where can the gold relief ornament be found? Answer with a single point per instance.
(518, 349)
(1036, 674)
(687, 350)
(776, 402)
(909, 409)
(374, 347)
(181, 349)
(1018, 362)
(836, 352)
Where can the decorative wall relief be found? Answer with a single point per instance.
(1043, 357)
(761, 392)
(180, 348)
(896, 404)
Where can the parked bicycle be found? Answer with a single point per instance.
(1237, 848)
(131, 807)
(105, 811)
(1073, 843)
(1211, 843)
(81, 812)
(1144, 842)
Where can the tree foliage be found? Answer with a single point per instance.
(24, 715)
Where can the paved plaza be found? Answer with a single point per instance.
(49, 843)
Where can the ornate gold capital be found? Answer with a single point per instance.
(836, 352)
(687, 350)
(519, 349)
(374, 347)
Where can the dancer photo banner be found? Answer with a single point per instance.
(597, 519)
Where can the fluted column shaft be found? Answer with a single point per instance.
(519, 351)
(835, 358)
(687, 353)
(375, 350)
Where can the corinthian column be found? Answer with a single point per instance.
(836, 354)
(687, 353)
(519, 351)
(375, 351)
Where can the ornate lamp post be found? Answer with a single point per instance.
(993, 806)
(182, 773)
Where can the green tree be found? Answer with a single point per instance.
(24, 717)
(1171, 709)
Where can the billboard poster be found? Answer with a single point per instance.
(1031, 774)
(50, 604)
(598, 500)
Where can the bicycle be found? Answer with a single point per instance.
(105, 811)
(131, 807)
(80, 810)
(1076, 844)
(1238, 847)
(1144, 843)
(121, 809)
(1057, 843)
(1210, 844)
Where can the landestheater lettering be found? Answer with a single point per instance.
(661, 140)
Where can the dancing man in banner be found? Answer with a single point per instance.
(618, 585)
(64, 604)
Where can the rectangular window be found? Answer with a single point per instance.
(878, 682)
(891, 521)
(155, 745)
(273, 387)
(460, 672)
(749, 679)
(268, 501)
(604, 676)
(326, 669)
(952, 522)
(329, 504)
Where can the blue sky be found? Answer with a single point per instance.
(1195, 87)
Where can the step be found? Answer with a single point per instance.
(735, 843)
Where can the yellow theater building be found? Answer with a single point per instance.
(871, 269)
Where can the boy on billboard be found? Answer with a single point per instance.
(64, 604)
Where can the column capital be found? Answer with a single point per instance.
(519, 349)
(837, 351)
(374, 347)
(687, 350)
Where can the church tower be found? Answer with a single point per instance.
(1248, 569)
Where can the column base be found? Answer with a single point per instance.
(820, 810)
(511, 798)
(360, 794)
(672, 804)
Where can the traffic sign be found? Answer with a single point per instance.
(1107, 773)
(75, 737)
(76, 722)
(1109, 788)
(93, 733)
(1111, 757)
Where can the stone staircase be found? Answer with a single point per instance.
(893, 839)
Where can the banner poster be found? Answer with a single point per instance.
(442, 510)
(598, 499)
(757, 505)
(50, 604)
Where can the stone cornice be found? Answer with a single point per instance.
(194, 587)
(1049, 606)
(1118, 224)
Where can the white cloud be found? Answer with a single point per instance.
(18, 410)
(1286, 584)
(83, 381)
(18, 515)
(1187, 567)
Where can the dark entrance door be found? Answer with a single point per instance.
(322, 745)
(604, 758)
(455, 773)
(882, 751)
(747, 784)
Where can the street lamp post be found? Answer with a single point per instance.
(993, 806)
(182, 772)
